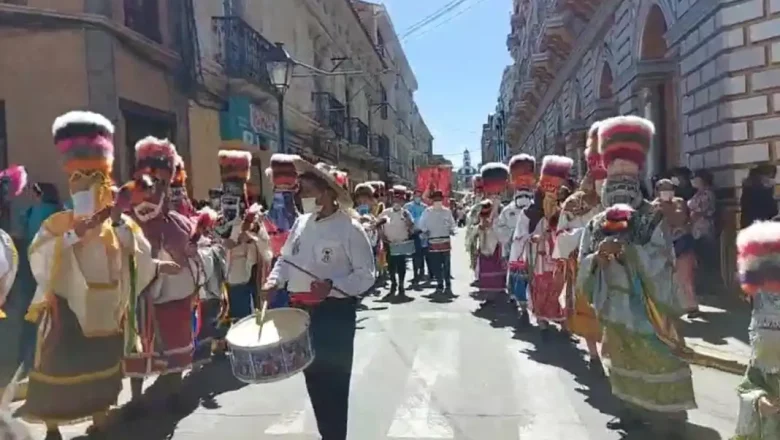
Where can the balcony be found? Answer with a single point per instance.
(558, 34)
(330, 113)
(241, 51)
(325, 148)
(358, 133)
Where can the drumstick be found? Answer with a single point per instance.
(260, 316)
(284, 260)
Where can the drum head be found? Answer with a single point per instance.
(280, 325)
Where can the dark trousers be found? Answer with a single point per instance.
(332, 331)
(396, 265)
(440, 268)
(418, 260)
(707, 277)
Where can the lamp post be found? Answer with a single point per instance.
(280, 69)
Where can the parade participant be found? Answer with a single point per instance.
(439, 225)
(165, 334)
(758, 262)
(577, 210)
(675, 212)
(522, 167)
(364, 198)
(416, 207)
(12, 182)
(544, 289)
(626, 270)
(472, 221)
(491, 265)
(397, 226)
(180, 200)
(327, 263)
(282, 213)
(88, 263)
(209, 326)
(248, 251)
(377, 209)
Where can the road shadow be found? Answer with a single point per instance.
(692, 432)
(439, 297)
(500, 314)
(199, 389)
(715, 327)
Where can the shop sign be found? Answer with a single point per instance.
(247, 122)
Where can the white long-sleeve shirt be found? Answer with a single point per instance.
(396, 229)
(569, 232)
(507, 221)
(335, 248)
(437, 222)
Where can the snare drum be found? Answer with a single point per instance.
(402, 248)
(439, 244)
(281, 350)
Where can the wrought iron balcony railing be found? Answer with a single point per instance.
(358, 133)
(330, 112)
(242, 50)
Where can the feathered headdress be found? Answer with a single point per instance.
(616, 218)
(364, 190)
(495, 177)
(523, 170)
(556, 171)
(85, 139)
(592, 156)
(282, 172)
(179, 172)
(155, 157)
(627, 138)
(235, 165)
(758, 257)
(12, 182)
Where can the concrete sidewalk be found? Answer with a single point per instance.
(722, 333)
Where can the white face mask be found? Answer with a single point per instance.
(84, 203)
(146, 211)
(666, 195)
(310, 206)
(437, 204)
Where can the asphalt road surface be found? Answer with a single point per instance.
(433, 371)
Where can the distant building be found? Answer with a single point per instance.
(493, 144)
(465, 173)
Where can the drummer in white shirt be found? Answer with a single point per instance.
(397, 226)
(439, 225)
(333, 248)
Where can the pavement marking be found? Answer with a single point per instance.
(542, 392)
(417, 418)
(303, 421)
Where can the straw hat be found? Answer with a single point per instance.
(327, 174)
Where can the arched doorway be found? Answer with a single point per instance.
(605, 83)
(659, 95)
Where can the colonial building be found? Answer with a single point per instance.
(349, 103)
(493, 144)
(702, 70)
(115, 57)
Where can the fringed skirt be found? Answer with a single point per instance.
(73, 377)
(167, 339)
(582, 319)
(546, 294)
(491, 271)
(685, 273)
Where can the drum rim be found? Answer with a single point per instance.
(307, 323)
(274, 378)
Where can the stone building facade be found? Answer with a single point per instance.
(704, 71)
(350, 102)
(115, 57)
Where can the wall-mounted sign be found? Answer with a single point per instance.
(245, 121)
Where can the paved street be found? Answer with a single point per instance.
(428, 371)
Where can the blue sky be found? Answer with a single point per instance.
(458, 61)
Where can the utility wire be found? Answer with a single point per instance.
(447, 20)
(444, 10)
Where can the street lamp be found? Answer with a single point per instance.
(280, 69)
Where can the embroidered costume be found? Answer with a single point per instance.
(491, 265)
(578, 209)
(248, 251)
(547, 303)
(522, 168)
(472, 222)
(626, 269)
(89, 263)
(758, 261)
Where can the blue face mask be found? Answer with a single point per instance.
(417, 199)
(364, 210)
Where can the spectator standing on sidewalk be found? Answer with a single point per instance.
(702, 210)
(758, 195)
(758, 262)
